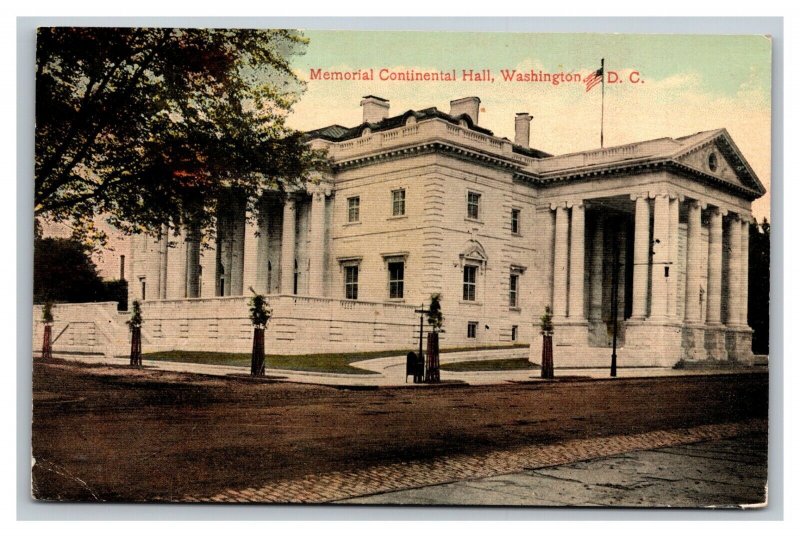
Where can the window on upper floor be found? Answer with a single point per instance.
(351, 282)
(354, 209)
(514, 332)
(396, 276)
(399, 202)
(515, 213)
(473, 205)
(470, 282)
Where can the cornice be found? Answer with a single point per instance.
(550, 179)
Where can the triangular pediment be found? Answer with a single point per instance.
(717, 155)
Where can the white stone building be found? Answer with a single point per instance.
(430, 202)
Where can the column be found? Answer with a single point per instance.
(287, 247)
(576, 263)
(694, 253)
(317, 246)
(745, 269)
(163, 256)
(560, 261)
(207, 278)
(641, 256)
(661, 254)
(193, 252)
(250, 266)
(176, 273)
(262, 251)
(596, 282)
(713, 315)
(674, 265)
(734, 270)
(239, 217)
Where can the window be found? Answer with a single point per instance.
(143, 283)
(398, 202)
(473, 205)
(354, 209)
(396, 270)
(515, 221)
(269, 277)
(470, 282)
(514, 332)
(351, 282)
(513, 290)
(222, 286)
(472, 329)
(122, 267)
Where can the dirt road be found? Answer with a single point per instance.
(123, 435)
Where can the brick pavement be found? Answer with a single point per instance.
(334, 486)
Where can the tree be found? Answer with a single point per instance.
(149, 126)
(135, 324)
(435, 320)
(546, 325)
(260, 314)
(63, 271)
(758, 285)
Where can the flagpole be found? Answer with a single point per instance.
(602, 98)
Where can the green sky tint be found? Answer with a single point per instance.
(691, 83)
(723, 62)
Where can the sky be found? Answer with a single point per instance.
(683, 84)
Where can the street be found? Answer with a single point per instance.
(116, 434)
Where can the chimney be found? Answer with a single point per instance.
(466, 105)
(522, 129)
(375, 109)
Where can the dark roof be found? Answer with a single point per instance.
(338, 133)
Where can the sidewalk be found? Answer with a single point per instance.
(390, 371)
(719, 473)
(502, 477)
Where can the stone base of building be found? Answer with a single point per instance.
(715, 343)
(739, 344)
(661, 342)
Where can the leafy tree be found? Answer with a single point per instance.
(149, 126)
(758, 285)
(435, 315)
(260, 314)
(135, 324)
(63, 271)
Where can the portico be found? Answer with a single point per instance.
(682, 276)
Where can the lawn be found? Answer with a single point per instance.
(507, 364)
(322, 363)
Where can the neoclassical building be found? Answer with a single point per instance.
(427, 202)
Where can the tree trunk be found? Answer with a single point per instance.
(547, 356)
(257, 363)
(432, 365)
(136, 346)
(47, 344)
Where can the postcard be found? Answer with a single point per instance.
(401, 267)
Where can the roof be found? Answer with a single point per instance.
(338, 133)
(672, 152)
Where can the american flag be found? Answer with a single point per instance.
(593, 79)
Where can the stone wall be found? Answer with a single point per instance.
(300, 325)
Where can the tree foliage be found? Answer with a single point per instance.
(63, 271)
(758, 285)
(435, 315)
(260, 312)
(148, 126)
